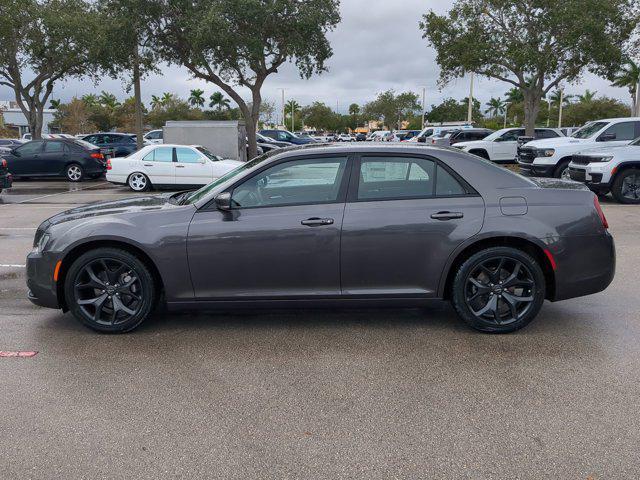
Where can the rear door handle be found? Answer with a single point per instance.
(179, 166)
(148, 165)
(317, 222)
(447, 216)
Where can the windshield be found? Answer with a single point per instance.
(204, 191)
(589, 130)
(208, 154)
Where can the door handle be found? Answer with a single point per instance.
(317, 222)
(447, 216)
(148, 165)
(179, 166)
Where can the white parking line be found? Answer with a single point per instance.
(18, 228)
(54, 194)
(11, 266)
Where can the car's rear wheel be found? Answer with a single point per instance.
(626, 186)
(498, 290)
(74, 173)
(110, 290)
(139, 182)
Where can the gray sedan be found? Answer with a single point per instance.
(341, 225)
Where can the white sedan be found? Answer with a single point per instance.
(168, 166)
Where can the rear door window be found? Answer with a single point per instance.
(162, 154)
(53, 147)
(389, 178)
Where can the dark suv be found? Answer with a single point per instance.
(113, 144)
(285, 136)
(469, 134)
(74, 159)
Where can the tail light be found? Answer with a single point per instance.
(109, 164)
(97, 156)
(603, 219)
(4, 163)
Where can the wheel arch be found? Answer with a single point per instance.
(527, 245)
(622, 166)
(81, 248)
(566, 159)
(480, 152)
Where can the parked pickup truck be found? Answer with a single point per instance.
(551, 157)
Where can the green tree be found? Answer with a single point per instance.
(90, 99)
(108, 100)
(451, 110)
(156, 102)
(514, 95)
(173, 108)
(42, 43)
(292, 108)
(74, 117)
(554, 98)
(239, 43)
(587, 97)
(319, 117)
(55, 103)
(579, 113)
(628, 77)
(196, 98)
(218, 101)
(354, 109)
(533, 45)
(495, 106)
(126, 51)
(392, 109)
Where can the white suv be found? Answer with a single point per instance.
(610, 169)
(502, 146)
(551, 158)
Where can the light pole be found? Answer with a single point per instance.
(506, 107)
(560, 109)
(470, 106)
(283, 109)
(424, 106)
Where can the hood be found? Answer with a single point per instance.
(117, 207)
(608, 151)
(557, 142)
(231, 163)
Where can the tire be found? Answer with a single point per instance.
(118, 294)
(481, 298)
(74, 172)
(626, 186)
(139, 182)
(562, 171)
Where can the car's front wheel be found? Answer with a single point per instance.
(498, 290)
(139, 182)
(626, 186)
(110, 290)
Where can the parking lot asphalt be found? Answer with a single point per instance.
(316, 394)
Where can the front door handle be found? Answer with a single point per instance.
(317, 222)
(179, 166)
(447, 216)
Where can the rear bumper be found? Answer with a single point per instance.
(42, 288)
(585, 265)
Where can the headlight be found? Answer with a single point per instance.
(546, 152)
(41, 243)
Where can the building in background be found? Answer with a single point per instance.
(14, 119)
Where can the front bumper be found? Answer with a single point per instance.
(592, 180)
(536, 170)
(43, 290)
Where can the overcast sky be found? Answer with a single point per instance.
(377, 46)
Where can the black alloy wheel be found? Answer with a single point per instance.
(499, 290)
(110, 290)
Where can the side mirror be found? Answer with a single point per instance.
(607, 137)
(14, 151)
(422, 140)
(203, 161)
(223, 201)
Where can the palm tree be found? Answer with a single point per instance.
(196, 98)
(292, 109)
(629, 77)
(156, 102)
(108, 100)
(587, 96)
(218, 101)
(354, 109)
(167, 98)
(90, 99)
(55, 104)
(554, 98)
(496, 106)
(514, 95)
